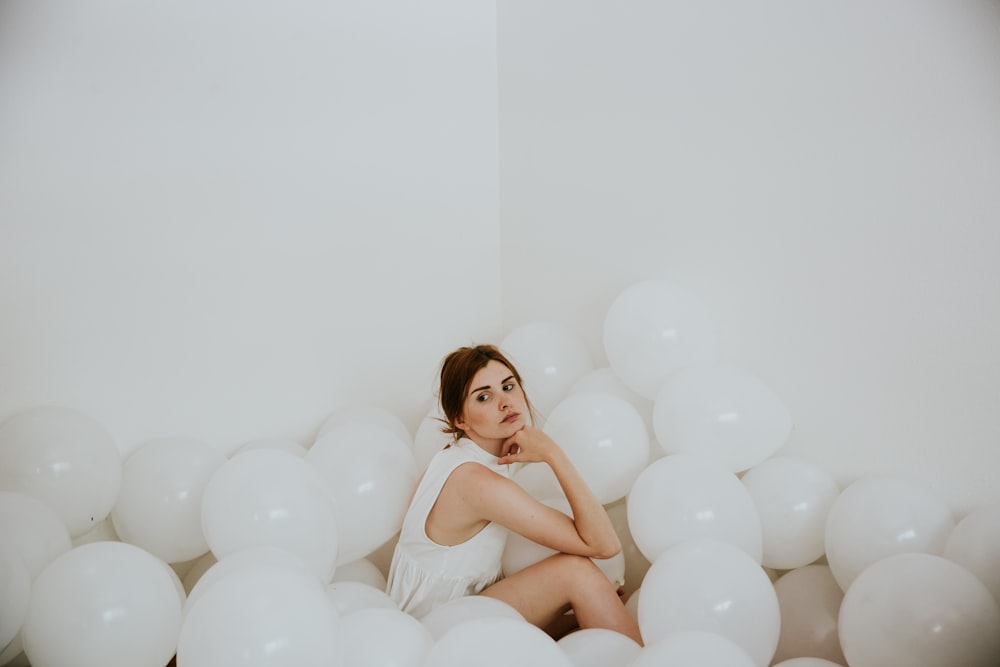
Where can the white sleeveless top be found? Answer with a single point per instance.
(425, 574)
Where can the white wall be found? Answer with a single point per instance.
(228, 219)
(824, 175)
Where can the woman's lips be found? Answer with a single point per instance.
(511, 417)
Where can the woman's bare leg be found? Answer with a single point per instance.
(541, 593)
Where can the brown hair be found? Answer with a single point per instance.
(457, 372)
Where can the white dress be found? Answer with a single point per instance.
(425, 574)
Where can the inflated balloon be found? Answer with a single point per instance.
(711, 586)
(550, 357)
(793, 498)
(682, 497)
(809, 598)
(34, 528)
(975, 545)
(693, 648)
(653, 329)
(351, 596)
(369, 414)
(267, 497)
(159, 505)
(261, 616)
(250, 557)
(598, 647)
(605, 379)
(64, 458)
(107, 604)
(878, 516)
(636, 564)
(520, 552)
(429, 438)
(380, 637)
(496, 641)
(373, 474)
(362, 570)
(461, 610)
(921, 610)
(605, 438)
(722, 413)
(15, 590)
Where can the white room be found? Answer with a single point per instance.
(230, 222)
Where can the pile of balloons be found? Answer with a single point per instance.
(734, 554)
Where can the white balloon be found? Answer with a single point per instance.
(653, 329)
(496, 642)
(461, 610)
(550, 357)
(373, 474)
(249, 557)
(879, 516)
(921, 610)
(362, 570)
(722, 413)
(351, 596)
(107, 603)
(793, 498)
(384, 638)
(159, 505)
(693, 648)
(975, 545)
(598, 647)
(267, 497)
(809, 598)
(15, 590)
(64, 458)
(261, 616)
(520, 552)
(605, 438)
(682, 497)
(429, 438)
(715, 587)
(34, 528)
(605, 379)
(369, 414)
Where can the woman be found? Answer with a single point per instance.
(454, 532)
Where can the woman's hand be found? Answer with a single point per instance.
(529, 445)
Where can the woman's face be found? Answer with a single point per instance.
(494, 407)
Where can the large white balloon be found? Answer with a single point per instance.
(106, 604)
(159, 506)
(722, 413)
(975, 545)
(605, 437)
(34, 528)
(793, 498)
(711, 586)
(597, 647)
(919, 610)
(261, 616)
(550, 357)
(373, 474)
(381, 637)
(654, 328)
(879, 516)
(269, 497)
(809, 598)
(682, 497)
(64, 458)
(496, 641)
(693, 648)
(445, 617)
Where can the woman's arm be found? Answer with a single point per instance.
(494, 498)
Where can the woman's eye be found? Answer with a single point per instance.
(482, 397)
(508, 386)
